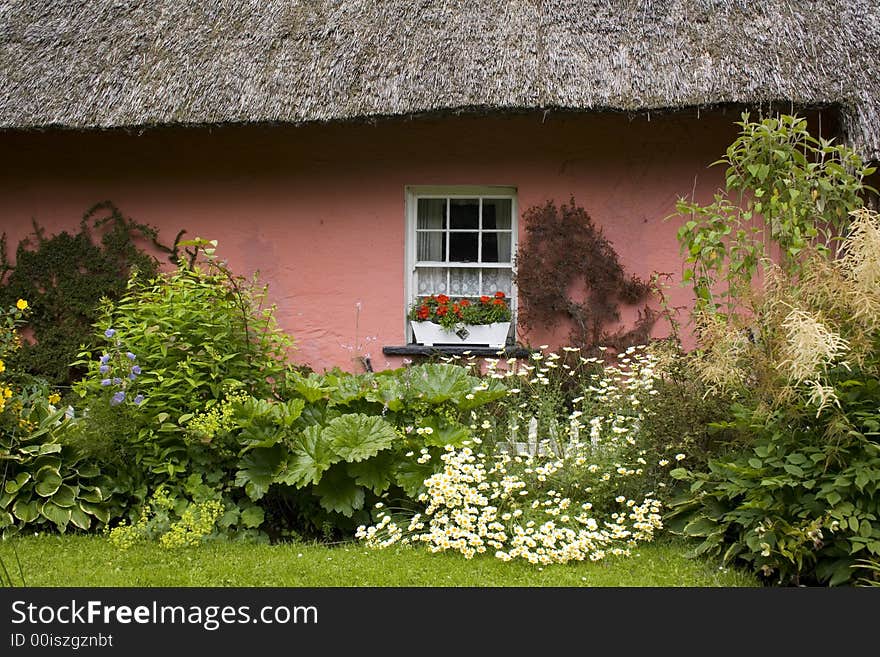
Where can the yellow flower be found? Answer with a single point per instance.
(2, 366)
(54, 398)
(21, 304)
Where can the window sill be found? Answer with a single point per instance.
(510, 351)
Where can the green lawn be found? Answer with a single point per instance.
(91, 561)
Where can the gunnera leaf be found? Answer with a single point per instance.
(355, 437)
(440, 382)
(258, 470)
(311, 455)
(338, 492)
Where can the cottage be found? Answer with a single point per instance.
(358, 154)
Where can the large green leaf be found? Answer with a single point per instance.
(253, 516)
(48, 481)
(356, 436)
(338, 492)
(25, 510)
(65, 496)
(258, 470)
(376, 473)
(100, 512)
(312, 387)
(13, 485)
(80, 518)
(411, 475)
(495, 390)
(440, 382)
(445, 432)
(311, 455)
(56, 514)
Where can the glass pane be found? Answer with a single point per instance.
(495, 280)
(432, 213)
(496, 247)
(497, 213)
(464, 213)
(431, 245)
(463, 247)
(464, 282)
(431, 280)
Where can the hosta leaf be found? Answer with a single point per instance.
(338, 492)
(26, 511)
(92, 494)
(88, 470)
(258, 470)
(49, 448)
(56, 514)
(100, 512)
(13, 485)
(6, 519)
(80, 519)
(48, 481)
(253, 517)
(356, 436)
(310, 457)
(440, 382)
(65, 496)
(376, 473)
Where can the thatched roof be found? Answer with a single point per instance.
(128, 63)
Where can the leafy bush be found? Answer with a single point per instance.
(64, 276)
(800, 358)
(174, 347)
(45, 483)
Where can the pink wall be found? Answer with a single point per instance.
(319, 210)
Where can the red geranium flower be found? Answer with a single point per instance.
(442, 298)
(484, 299)
(424, 312)
(499, 295)
(442, 310)
(498, 302)
(464, 303)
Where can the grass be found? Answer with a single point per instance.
(91, 561)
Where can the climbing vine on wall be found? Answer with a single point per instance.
(568, 271)
(63, 277)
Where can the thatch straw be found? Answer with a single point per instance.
(130, 63)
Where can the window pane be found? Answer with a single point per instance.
(497, 213)
(432, 213)
(463, 247)
(495, 280)
(432, 280)
(464, 282)
(496, 247)
(431, 246)
(464, 213)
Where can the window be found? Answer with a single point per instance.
(461, 241)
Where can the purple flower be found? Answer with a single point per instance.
(104, 369)
(130, 355)
(117, 398)
(139, 399)
(136, 369)
(116, 380)
(105, 382)
(105, 359)
(110, 332)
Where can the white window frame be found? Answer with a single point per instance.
(413, 193)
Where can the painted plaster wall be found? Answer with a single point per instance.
(319, 210)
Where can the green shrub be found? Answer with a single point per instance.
(174, 347)
(45, 484)
(64, 276)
